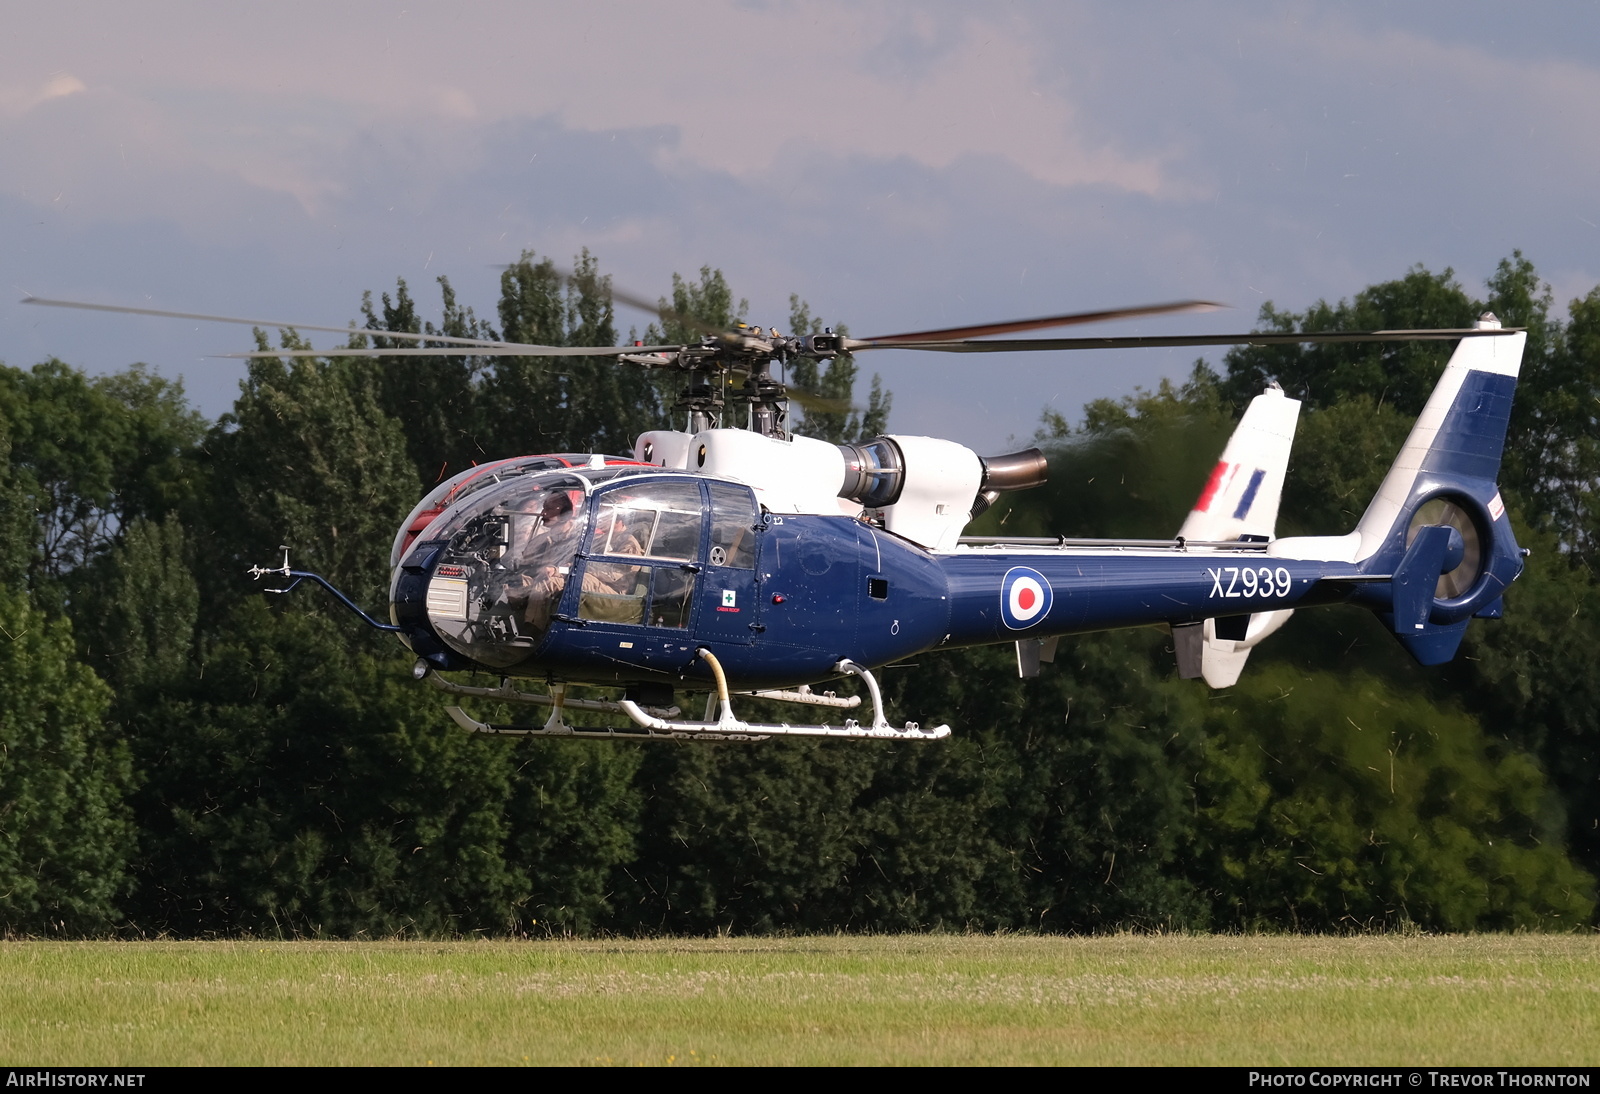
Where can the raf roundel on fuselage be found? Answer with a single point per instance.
(1024, 598)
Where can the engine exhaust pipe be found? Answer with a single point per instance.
(1017, 471)
(1014, 471)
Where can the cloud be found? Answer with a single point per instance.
(57, 86)
(876, 82)
(900, 165)
(748, 89)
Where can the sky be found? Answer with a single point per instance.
(898, 165)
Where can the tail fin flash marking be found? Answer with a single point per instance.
(1240, 501)
(1211, 487)
(1249, 497)
(1241, 496)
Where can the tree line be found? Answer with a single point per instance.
(182, 755)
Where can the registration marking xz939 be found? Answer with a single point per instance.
(1229, 582)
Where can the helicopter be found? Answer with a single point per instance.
(757, 562)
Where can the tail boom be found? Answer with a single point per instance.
(1007, 595)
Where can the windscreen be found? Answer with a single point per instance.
(507, 554)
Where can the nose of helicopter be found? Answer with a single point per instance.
(482, 587)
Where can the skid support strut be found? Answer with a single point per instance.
(731, 727)
(720, 724)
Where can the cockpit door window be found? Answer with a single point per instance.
(654, 519)
(658, 527)
(730, 610)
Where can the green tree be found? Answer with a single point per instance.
(435, 399)
(1324, 374)
(707, 304)
(142, 628)
(1553, 453)
(298, 784)
(836, 382)
(573, 822)
(16, 519)
(1079, 778)
(745, 839)
(89, 457)
(65, 832)
(1332, 802)
(565, 404)
(1530, 677)
(307, 458)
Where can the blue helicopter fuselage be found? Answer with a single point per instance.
(822, 589)
(829, 588)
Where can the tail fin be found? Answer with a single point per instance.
(1437, 530)
(1241, 497)
(1457, 440)
(1240, 501)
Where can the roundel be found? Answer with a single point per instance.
(1024, 597)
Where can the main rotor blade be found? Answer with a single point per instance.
(667, 314)
(500, 349)
(1260, 338)
(1068, 320)
(124, 310)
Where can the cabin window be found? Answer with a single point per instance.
(653, 519)
(733, 525)
(659, 524)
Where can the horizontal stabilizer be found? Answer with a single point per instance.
(1227, 650)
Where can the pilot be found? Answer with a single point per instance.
(533, 583)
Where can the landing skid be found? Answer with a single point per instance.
(720, 724)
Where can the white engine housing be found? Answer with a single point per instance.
(802, 475)
(942, 479)
(664, 448)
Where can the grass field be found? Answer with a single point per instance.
(1520, 999)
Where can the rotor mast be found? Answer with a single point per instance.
(753, 352)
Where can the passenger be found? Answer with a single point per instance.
(558, 534)
(615, 535)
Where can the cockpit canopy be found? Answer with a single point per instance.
(464, 484)
(505, 558)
